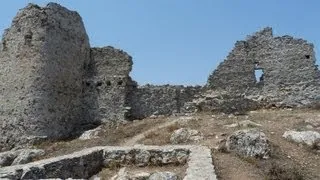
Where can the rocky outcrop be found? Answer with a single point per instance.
(249, 143)
(309, 138)
(91, 134)
(42, 56)
(184, 135)
(22, 156)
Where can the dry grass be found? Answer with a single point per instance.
(112, 136)
(161, 137)
(288, 160)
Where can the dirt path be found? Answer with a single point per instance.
(133, 140)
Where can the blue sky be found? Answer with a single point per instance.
(182, 41)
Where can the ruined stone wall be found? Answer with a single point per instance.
(288, 64)
(42, 57)
(236, 73)
(285, 60)
(107, 85)
(159, 100)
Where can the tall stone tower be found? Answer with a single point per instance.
(42, 59)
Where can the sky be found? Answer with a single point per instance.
(182, 41)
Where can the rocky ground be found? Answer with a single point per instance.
(263, 144)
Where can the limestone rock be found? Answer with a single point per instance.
(142, 158)
(140, 176)
(249, 143)
(245, 123)
(164, 176)
(21, 156)
(184, 135)
(314, 122)
(91, 134)
(309, 138)
(121, 175)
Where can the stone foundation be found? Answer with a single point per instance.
(89, 162)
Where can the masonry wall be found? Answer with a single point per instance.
(41, 57)
(107, 84)
(156, 100)
(290, 74)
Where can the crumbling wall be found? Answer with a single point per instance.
(159, 100)
(288, 65)
(236, 73)
(41, 57)
(107, 84)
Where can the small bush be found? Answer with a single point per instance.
(283, 172)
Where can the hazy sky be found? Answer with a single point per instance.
(182, 41)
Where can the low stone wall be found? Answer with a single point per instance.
(89, 162)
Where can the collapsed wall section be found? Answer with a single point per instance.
(289, 73)
(42, 56)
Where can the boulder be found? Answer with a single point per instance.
(184, 135)
(163, 176)
(309, 138)
(22, 156)
(249, 143)
(91, 134)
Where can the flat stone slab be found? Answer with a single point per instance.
(88, 162)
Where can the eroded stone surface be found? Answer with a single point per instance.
(42, 59)
(290, 75)
(88, 162)
(249, 143)
(21, 156)
(309, 138)
(164, 176)
(184, 135)
(91, 134)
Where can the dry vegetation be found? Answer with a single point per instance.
(288, 160)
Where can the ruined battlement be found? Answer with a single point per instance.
(53, 84)
(284, 61)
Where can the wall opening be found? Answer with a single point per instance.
(307, 56)
(120, 83)
(259, 75)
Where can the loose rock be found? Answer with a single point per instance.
(249, 143)
(184, 135)
(91, 134)
(21, 156)
(309, 138)
(163, 176)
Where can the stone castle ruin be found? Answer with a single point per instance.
(54, 85)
